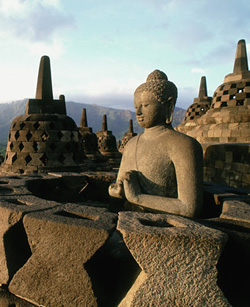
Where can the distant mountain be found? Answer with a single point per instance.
(117, 119)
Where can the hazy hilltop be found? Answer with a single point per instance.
(117, 119)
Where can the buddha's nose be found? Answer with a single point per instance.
(138, 110)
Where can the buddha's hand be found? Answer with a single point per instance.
(132, 187)
(117, 190)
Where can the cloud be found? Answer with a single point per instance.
(34, 21)
(197, 70)
(186, 97)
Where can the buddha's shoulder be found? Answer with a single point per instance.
(131, 143)
(181, 140)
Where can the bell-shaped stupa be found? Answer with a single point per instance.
(199, 107)
(107, 144)
(90, 144)
(228, 119)
(45, 138)
(127, 136)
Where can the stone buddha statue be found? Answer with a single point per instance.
(161, 169)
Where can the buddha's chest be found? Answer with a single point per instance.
(153, 161)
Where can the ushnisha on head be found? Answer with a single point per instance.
(163, 91)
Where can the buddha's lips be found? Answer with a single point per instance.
(140, 118)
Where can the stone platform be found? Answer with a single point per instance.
(61, 246)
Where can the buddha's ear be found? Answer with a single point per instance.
(171, 104)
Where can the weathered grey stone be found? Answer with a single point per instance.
(62, 240)
(178, 259)
(161, 169)
(14, 248)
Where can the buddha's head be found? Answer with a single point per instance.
(155, 100)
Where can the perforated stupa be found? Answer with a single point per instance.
(228, 119)
(127, 136)
(45, 138)
(198, 108)
(107, 144)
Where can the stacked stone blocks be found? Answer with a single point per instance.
(227, 164)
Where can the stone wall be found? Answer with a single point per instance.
(227, 164)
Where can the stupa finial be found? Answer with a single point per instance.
(84, 122)
(240, 63)
(203, 88)
(44, 84)
(130, 127)
(104, 123)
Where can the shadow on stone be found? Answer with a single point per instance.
(70, 189)
(113, 271)
(4, 190)
(17, 248)
(234, 269)
(159, 223)
(74, 215)
(15, 202)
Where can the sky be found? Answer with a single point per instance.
(101, 51)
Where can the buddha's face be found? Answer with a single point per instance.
(149, 111)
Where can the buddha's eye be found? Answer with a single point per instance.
(146, 105)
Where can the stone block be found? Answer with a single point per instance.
(14, 249)
(14, 185)
(245, 132)
(217, 104)
(246, 178)
(246, 117)
(226, 119)
(210, 133)
(62, 240)
(9, 300)
(247, 89)
(233, 126)
(225, 133)
(228, 156)
(223, 140)
(225, 98)
(219, 164)
(231, 103)
(242, 139)
(226, 87)
(217, 133)
(247, 102)
(233, 91)
(241, 96)
(236, 210)
(178, 258)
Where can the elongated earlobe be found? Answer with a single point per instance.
(171, 104)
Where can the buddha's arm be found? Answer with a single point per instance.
(117, 189)
(155, 202)
(188, 166)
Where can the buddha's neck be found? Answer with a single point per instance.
(156, 130)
